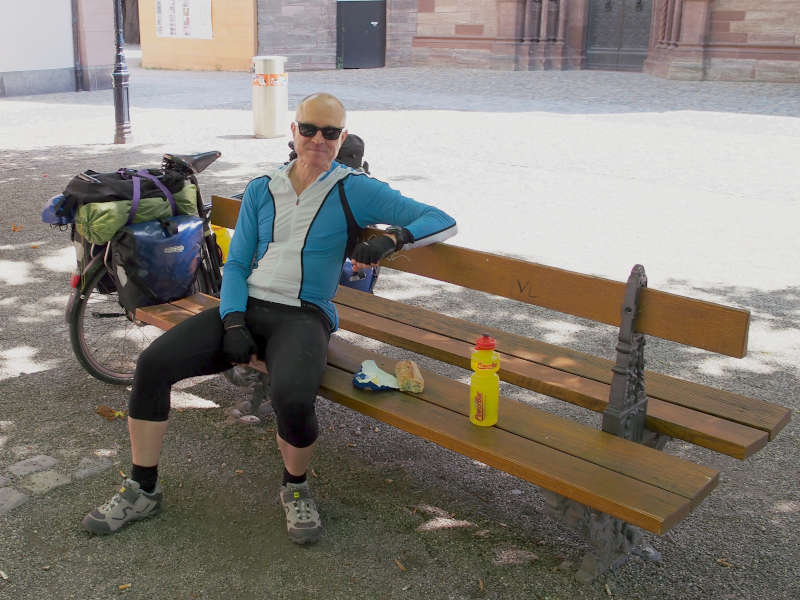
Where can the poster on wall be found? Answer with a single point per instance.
(184, 19)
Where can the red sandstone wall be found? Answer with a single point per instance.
(754, 40)
(470, 33)
(756, 21)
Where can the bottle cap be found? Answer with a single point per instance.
(485, 342)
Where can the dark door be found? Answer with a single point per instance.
(361, 34)
(618, 34)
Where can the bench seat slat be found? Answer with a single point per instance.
(197, 302)
(650, 466)
(746, 411)
(164, 316)
(644, 505)
(677, 421)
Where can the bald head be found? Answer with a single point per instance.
(321, 108)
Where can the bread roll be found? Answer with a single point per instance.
(409, 379)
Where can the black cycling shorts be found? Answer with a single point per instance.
(293, 341)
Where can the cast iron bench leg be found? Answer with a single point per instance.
(612, 539)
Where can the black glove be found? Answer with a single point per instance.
(382, 246)
(237, 344)
(375, 249)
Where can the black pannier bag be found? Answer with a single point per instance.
(85, 251)
(91, 186)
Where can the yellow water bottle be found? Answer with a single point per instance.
(223, 240)
(484, 386)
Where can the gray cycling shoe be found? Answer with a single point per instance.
(302, 519)
(129, 504)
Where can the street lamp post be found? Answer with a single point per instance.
(120, 78)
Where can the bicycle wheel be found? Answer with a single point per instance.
(105, 340)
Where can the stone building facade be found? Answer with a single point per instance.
(305, 31)
(736, 40)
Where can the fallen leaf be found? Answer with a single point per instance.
(482, 533)
(608, 591)
(437, 523)
(3, 575)
(121, 472)
(46, 568)
(724, 562)
(481, 586)
(34, 245)
(124, 586)
(399, 564)
(109, 413)
(389, 480)
(351, 445)
(239, 471)
(314, 473)
(513, 556)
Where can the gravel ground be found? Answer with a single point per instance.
(589, 171)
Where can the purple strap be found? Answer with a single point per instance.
(137, 193)
(162, 187)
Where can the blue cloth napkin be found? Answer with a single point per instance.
(370, 377)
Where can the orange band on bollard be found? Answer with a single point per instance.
(270, 79)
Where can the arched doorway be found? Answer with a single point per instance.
(618, 34)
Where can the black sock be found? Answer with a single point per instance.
(289, 478)
(146, 477)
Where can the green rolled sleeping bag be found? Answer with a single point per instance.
(99, 221)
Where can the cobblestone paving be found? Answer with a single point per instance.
(33, 476)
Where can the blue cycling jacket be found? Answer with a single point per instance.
(288, 248)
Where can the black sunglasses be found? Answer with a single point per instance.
(309, 130)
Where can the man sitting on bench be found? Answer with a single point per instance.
(281, 274)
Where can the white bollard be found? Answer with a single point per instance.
(270, 96)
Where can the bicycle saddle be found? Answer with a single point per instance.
(195, 163)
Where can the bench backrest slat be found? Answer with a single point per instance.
(697, 323)
(689, 321)
(225, 211)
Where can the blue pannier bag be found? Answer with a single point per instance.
(156, 261)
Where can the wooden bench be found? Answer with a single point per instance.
(607, 483)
